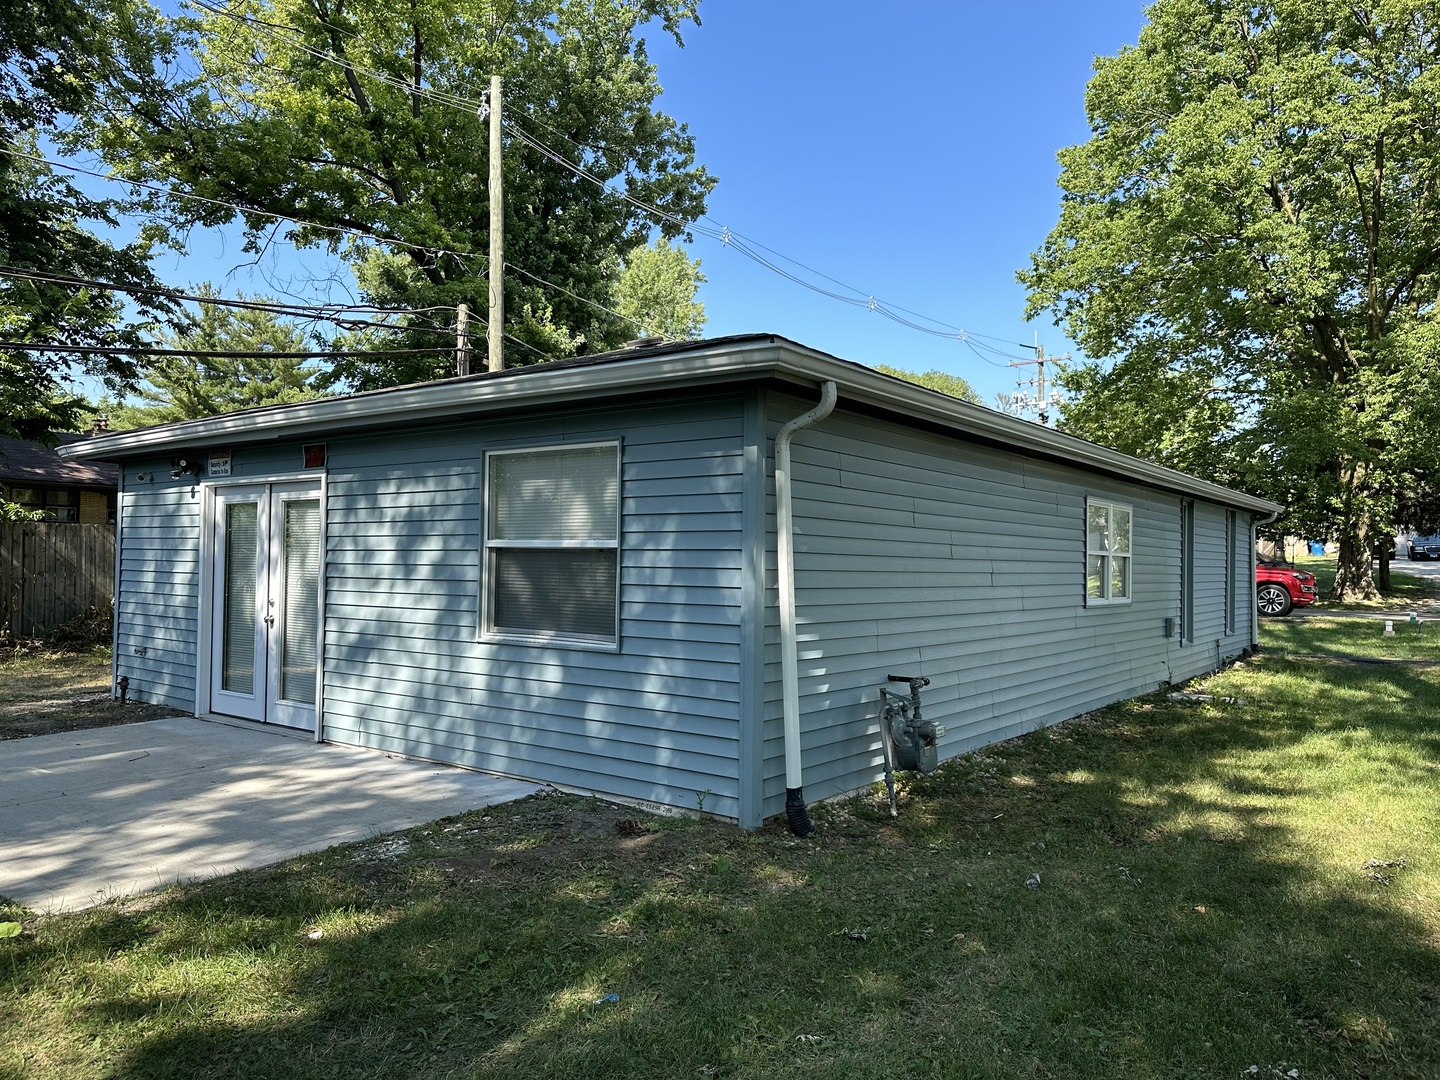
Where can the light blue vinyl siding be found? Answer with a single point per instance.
(656, 720)
(916, 553)
(925, 555)
(157, 596)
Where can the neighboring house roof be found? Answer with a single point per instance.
(648, 368)
(28, 464)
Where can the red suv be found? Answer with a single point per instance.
(1280, 588)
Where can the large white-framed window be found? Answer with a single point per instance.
(552, 528)
(1107, 552)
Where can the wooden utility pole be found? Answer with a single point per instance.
(1040, 361)
(495, 330)
(462, 340)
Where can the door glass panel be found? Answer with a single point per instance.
(302, 600)
(241, 539)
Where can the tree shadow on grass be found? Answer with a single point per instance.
(1197, 912)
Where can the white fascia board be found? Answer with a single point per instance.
(874, 388)
(751, 358)
(436, 401)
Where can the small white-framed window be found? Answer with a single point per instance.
(1107, 552)
(552, 528)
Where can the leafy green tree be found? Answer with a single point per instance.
(54, 53)
(656, 292)
(192, 386)
(934, 379)
(1252, 233)
(344, 114)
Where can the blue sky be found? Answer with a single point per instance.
(909, 153)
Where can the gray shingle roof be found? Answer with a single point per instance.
(27, 464)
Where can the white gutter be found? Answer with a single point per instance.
(789, 663)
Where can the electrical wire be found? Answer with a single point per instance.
(144, 350)
(459, 256)
(731, 239)
(319, 313)
(576, 296)
(721, 234)
(729, 236)
(993, 363)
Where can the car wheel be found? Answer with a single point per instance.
(1273, 601)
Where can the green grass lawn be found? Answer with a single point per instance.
(1404, 588)
(1241, 883)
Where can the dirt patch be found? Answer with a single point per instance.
(52, 693)
(76, 713)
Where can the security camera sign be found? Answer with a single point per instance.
(219, 463)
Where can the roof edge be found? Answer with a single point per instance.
(537, 384)
(877, 388)
(749, 356)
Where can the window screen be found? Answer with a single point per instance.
(552, 528)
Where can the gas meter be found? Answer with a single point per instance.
(909, 740)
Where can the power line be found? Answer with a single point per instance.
(143, 350)
(576, 296)
(731, 239)
(156, 190)
(745, 246)
(993, 363)
(322, 313)
(721, 234)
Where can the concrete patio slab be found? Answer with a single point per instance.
(90, 815)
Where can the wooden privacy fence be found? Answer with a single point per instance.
(51, 572)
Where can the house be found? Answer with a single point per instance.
(579, 573)
(37, 478)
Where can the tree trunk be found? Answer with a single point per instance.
(1383, 574)
(1353, 579)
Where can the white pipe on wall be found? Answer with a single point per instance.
(789, 664)
(1255, 525)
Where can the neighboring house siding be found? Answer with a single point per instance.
(157, 597)
(656, 721)
(925, 555)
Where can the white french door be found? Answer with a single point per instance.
(265, 621)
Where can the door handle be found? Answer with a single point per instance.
(270, 620)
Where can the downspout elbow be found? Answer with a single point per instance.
(795, 812)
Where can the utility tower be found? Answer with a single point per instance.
(1039, 401)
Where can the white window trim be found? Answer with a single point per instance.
(488, 630)
(1107, 600)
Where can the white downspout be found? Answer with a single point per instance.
(1254, 589)
(789, 664)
